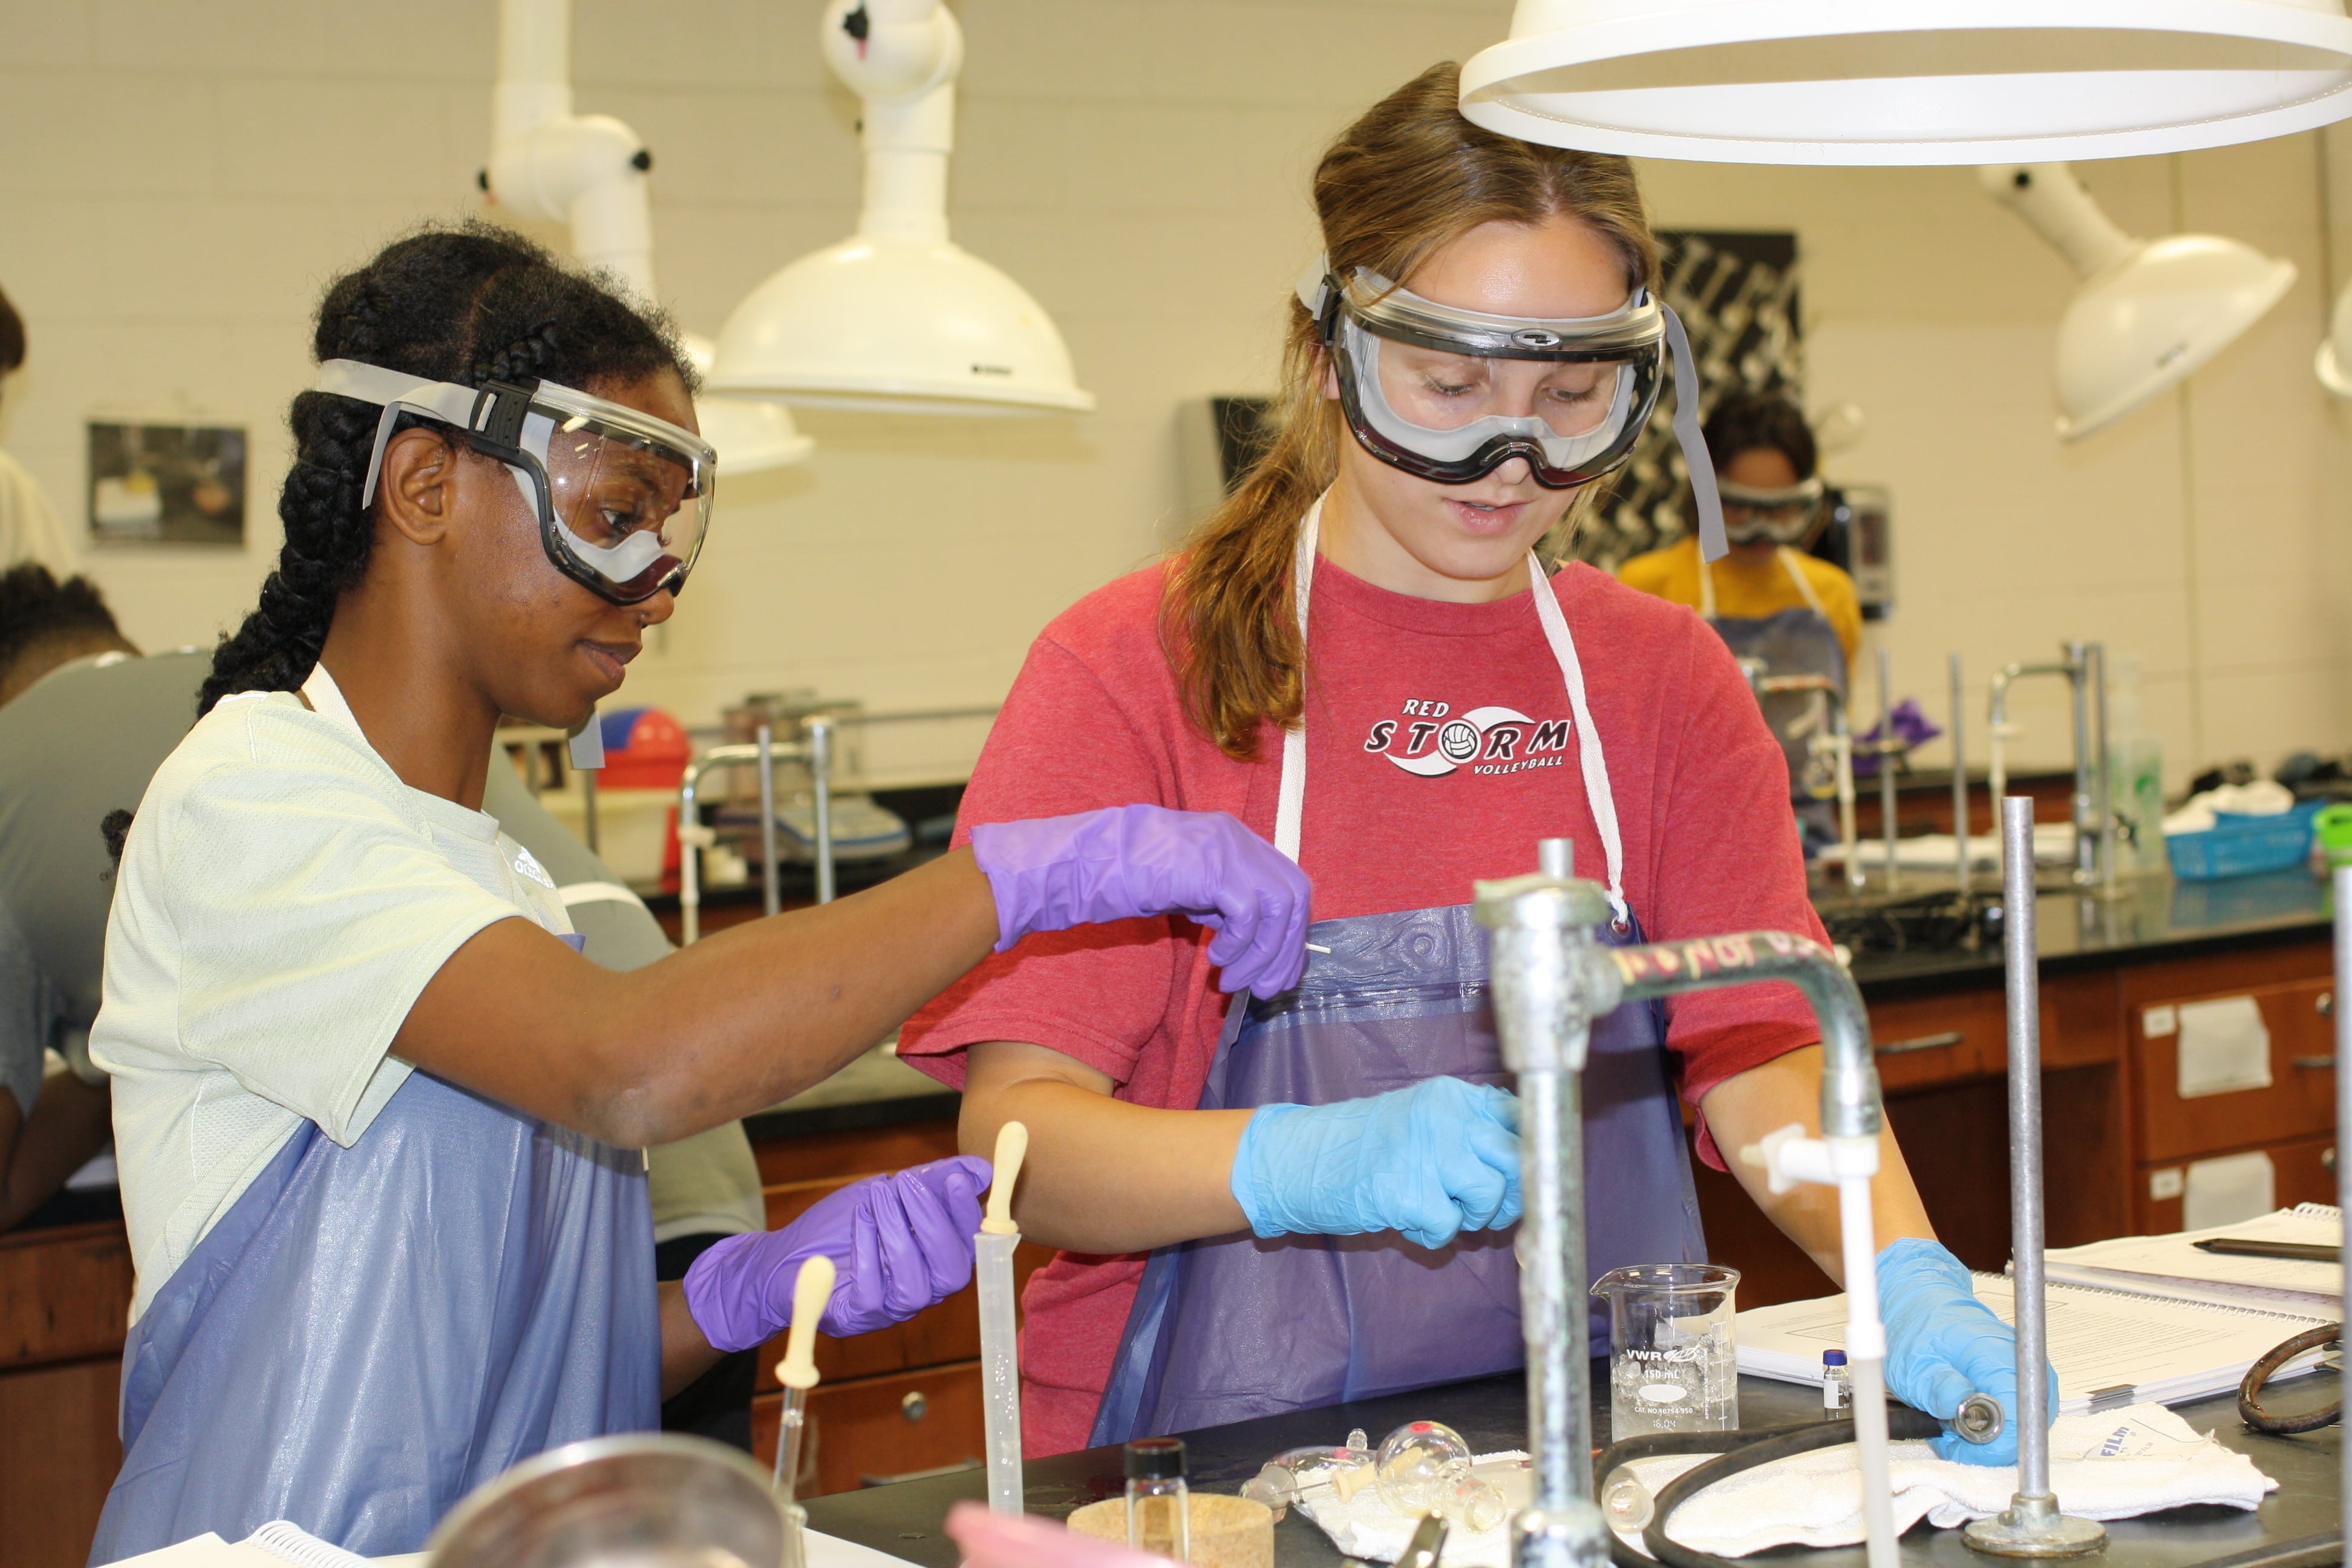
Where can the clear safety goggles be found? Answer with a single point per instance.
(1451, 394)
(622, 498)
(1789, 515)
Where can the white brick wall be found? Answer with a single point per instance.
(178, 178)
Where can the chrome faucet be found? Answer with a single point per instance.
(1552, 978)
(2085, 669)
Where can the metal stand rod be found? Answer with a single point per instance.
(1886, 766)
(771, 895)
(2031, 1526)
(2103, 779)
(2086, 843)
(2343, 889)
(820, 766)
(1959, 778)
(1542, 928)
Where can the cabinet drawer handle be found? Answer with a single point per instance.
(914, 1406)
(2326, 1003)
(1925, 1043)
(2317, 1063)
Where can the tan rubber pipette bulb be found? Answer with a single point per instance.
(811, 1290)
(1011, 1148)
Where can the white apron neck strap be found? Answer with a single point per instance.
(1290, 802)
(1705, 589)
(1796, 570)
(1588, 739)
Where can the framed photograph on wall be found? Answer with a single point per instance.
(166, 482)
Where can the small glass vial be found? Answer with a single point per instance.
(1159, 1506)
(1837, 1387)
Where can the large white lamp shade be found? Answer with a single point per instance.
(2148, 313)
(1911, 81)
(899, 318)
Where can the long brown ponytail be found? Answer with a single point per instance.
(1405, 180)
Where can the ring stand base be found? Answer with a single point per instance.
(2033, 1527)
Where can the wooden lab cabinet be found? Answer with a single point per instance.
(2290, 1123)
(65, 1299)
(1943, 1058)
(900, 1402)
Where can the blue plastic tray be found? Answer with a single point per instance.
(2237, 845)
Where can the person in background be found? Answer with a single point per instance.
(28, 526)
(1766, 468)
(1359, 653)
(96, 722)
(72, 746)
(1768, 599)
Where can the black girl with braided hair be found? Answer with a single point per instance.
(378, 1121)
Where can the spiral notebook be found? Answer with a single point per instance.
(2110, 1348)
(2171, 1265)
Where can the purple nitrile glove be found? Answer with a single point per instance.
(1053, 872)
(899, 1242)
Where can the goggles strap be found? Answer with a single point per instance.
(1712, 545)
(442, 400)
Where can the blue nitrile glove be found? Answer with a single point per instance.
(1430, 1161)
(1943, 1344)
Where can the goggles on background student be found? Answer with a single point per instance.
(1789, 515)
(622, 498)
(1451, 394)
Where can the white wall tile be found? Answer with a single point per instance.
(178, 179)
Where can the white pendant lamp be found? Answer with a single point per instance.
(589, 171)
(2149, 312)
(1911, 81)
(898, 318)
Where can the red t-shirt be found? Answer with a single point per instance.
(1392, 822)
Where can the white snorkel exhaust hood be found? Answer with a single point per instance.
(589, 171)
(898, 318)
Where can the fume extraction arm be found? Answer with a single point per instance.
(898, 318)
(590, 171)
(2148, 312)
(1926, 82)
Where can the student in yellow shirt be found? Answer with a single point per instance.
(1765, 466)
(1768, 599)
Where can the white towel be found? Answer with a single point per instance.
(2117, 1466)
(1365, 1527)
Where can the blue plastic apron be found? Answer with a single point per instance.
(1233, 1327)
(369, 1334)
(1799, 640)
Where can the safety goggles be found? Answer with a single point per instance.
(622, 498)
(1451, 394)
(1755, 515)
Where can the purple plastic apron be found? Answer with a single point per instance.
(1799, 640)
(1230, 1328)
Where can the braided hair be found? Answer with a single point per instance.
(465, 304)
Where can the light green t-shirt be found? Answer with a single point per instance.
(282, 902)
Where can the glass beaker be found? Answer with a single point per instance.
(1672, 1360)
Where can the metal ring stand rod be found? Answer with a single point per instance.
(2342, 879)
(2031, 1526)
(1886, 755)
(1959, 780)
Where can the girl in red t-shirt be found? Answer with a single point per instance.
(1359, 656)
